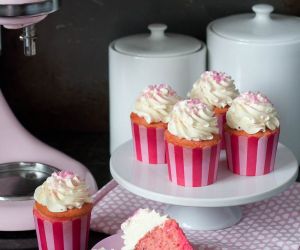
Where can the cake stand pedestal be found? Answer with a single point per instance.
(202, 208)
(205, 218)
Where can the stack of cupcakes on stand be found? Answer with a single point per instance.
(188, 134)
(217, 90)
(149, 121)
(251, 134)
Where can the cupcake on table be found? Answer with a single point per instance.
(251, 134)
(149, 121)
(62, 212)
(217, 90)
(193, 144)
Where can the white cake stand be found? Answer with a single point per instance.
(203, 208)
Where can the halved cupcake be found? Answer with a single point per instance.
(148, 230)
(193, 144)
(251, 134)
(217, 90)
(149, 121)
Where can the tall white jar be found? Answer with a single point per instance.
(262, 52)
(140, 60)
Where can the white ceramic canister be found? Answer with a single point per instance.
(140, 60)
(262, 53)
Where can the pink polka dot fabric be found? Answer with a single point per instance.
(270, 225)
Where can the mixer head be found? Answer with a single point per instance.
(24, 14)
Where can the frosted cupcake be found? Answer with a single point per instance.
(251, 134)
(217, 90)
(149, 121)
(193, 144)
(62, 212)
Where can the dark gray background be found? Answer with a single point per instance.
(65, 87)
(61, 94)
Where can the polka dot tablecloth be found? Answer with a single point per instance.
(270, 225)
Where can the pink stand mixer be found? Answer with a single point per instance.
(25, 162)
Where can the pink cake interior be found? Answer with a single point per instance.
(166, 237)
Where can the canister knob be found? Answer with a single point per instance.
(262, 11)
(157, 30)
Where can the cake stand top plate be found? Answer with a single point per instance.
(151, 181)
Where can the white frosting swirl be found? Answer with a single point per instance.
(214, 88)
(155, 103)
(137, 226)
(252, 112)
(193, 120)
(62, 191)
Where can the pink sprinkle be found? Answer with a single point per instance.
(157, 89)
(254, 97)
(217, 76)
(64, 174)
(193, 101)
(195, 105)
(151, 87)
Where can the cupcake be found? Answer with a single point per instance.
(217, 90)
(149, 121)
(62, 212)
(193, 144)
(251, 135)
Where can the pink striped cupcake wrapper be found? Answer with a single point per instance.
(221, 122)
(149, 144)
(62, 235)
(251, 156)
(192, 167)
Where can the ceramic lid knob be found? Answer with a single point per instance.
(262, 26)
(262, 11)
(157, 30)
(158, 43)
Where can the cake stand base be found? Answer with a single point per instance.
(205, 218)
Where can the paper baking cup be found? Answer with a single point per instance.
(221, 122)
(195, 167)
(62, 235)
(251, 156)
(149, 144)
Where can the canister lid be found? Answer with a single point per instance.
(260, 26)
(157, 43)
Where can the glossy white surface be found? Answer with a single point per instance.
(259, 27)
(157, 43)
(270, 67)
(129, 75)
(205, 218)
(230, 190)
